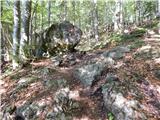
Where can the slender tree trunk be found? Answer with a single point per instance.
(49, 12)
(26, 14)
(16, 33)
(95, 14)
(79, 15)
(35, 19)
(138, 12)
(33, 25)
(159, 15)
(92, 22)
(118, 17)
(106, 13)
(65, 10)
(42, 14)
(159, 6)
(2, 40)
(74, 10)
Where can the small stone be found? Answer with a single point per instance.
(56, 60)
(157, 74)
(111, 78)
(51, 115)
(116, 53)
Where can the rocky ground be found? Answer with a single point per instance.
(120, 82)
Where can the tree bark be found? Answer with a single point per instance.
(26, 14)
(16, 33)
(118, 17)
(159, 6)
(65, 10)
(138, 12)
(74, 10)
(35, 19)
(159, 16)
(95, 14)
(2, 40)
(79, 15)
(49, 12)
(42, 14)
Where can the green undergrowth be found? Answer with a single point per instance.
(133, 38)
(136, 44)
(110, 116)
(152, 25)
(121, 38)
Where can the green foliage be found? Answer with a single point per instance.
(110, 116)
(139, 32)
(136, 44)
(149, 8)
(152, 25)
(27, 50)
(82, 15)
(7, 12)
(123, 38)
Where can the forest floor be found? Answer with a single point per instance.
(91, 106)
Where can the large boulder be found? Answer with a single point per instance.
(57, 38)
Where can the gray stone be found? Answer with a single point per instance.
(63, 103)
(157, 74)
(56, 60)
(122, 108)
(116, 53)
(147, 52)
(61, 99)
(51, 116)
(23, 83)
(122, 49)
(110, 77)
(57, 38)
(113, 54)
(29, 111)
(106, 61)
(87, 74)
(59, 83)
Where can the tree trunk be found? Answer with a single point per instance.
(106, 13)
(49, 12)
(74, 10)
(138, 12)
(79, 15)
(2, 40)
(118, 17)
(42, 3)
(24, 48)
(159, 6)
(65, 10)
(35, 19)
(159, 16)
(95, 14)
(16, 33)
